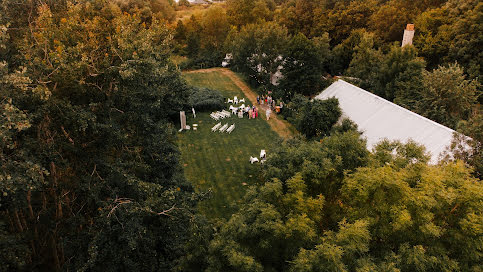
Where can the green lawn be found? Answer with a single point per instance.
(219, 161)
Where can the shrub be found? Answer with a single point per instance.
(203, 99)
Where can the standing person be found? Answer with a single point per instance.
(256, 113)
(258, 99)
(273, 104)
(268, 112)
(250, 113)
(266, 100)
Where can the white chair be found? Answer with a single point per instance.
(226, 113)
(235, 100)
(253, 160)
(230, 129)
(242, 100)
(214, 116)
(240, 114)
(223, 128)
(263, 154)
(230, 100)
(234, 110)
(215, 128)
(195, 126)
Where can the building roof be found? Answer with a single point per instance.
(198, 2)
(378, 118)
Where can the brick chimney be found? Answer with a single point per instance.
(408, 35)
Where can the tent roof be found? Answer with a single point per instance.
(378, 118)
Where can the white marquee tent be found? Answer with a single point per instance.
(378, 118)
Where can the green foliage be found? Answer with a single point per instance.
(203, 99)
(244, 12)
(397, 74)
(398, 154)
(447, 96)
(415, 213)
(395, 214)
(344, 18)
(148, 9)
(202, 39)
(185, 3)
(468, 146)
(300, 16)
(401, 75)
(256, 50)
(303, 66)
(341, 55)
(452, 33)
(317, 117)
(273, 225)
(366, 62)
(90, 175)
(389, 21)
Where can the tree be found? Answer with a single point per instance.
(215, 28)
(243, 12)
(447, 95)
(303, 66)
(394, 214)
(317, 117)
(288, 212)
(193, 37)
(366, 63)
(147, 9)
(431, 40)
(389, 21)
(344, 18)
(416, 223)
(401, 75)
(299, 16)
(467, 145)
(341, 54)
(185, 3)
(451, 33)
(257, 50)
(90, 177)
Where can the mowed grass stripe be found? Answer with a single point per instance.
(219, 161)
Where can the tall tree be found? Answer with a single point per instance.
(300, 16)
(243, 12)
(258, 50)
(366, 62)
(304, 65)
(401, 75)
(317, 117)
(91, 171)
(395, 214)
(345, 17)
(447, 96)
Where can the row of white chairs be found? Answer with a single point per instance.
(235, 100)
(220, 115)
(223, 128)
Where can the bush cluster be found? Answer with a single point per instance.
(204, 99)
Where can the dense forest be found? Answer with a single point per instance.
(90, 171)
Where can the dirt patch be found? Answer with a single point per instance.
(283, 128)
